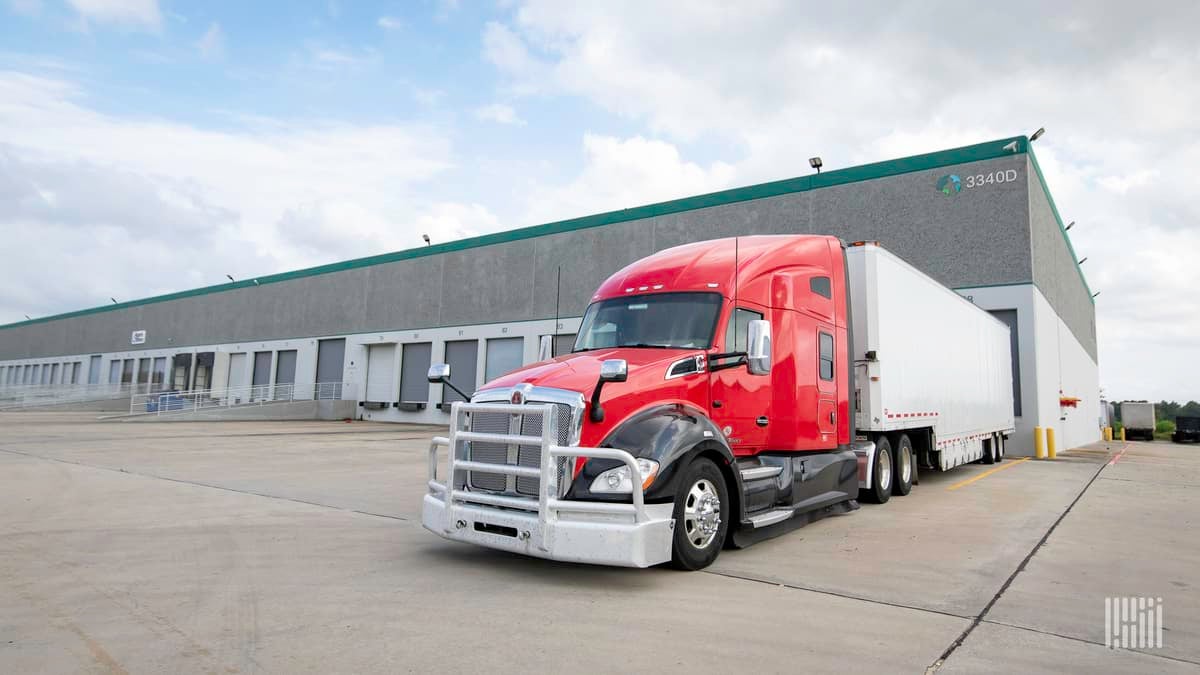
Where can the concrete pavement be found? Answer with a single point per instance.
(297, 547)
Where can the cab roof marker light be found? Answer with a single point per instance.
(713, 284)
(629, 290)
(657, 286)
(643, 288)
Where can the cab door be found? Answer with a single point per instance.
(740, 403)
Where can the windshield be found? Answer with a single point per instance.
(675, 320)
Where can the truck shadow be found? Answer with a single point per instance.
(516, 568)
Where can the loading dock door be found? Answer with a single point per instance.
(414, 369)
(237, 378)
(262, 375)
(379, 372)
(331, 361)
(462, 356)
(285, 375)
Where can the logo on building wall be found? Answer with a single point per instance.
(949, 185)
(138, 337)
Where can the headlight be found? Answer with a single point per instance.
(617, 480)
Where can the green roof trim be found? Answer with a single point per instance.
(1005, 147)
(1037, 170)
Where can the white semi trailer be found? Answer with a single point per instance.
(1138, 419)
(933, 372)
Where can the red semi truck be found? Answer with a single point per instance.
(719, 393)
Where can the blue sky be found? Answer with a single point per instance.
(148, 146)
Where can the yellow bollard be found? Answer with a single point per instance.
(1051, 449)
(1039, 442)
(1122, 434)
(1108, 433)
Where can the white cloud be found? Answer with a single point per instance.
(26, 7)
(134, 207)
(212, 44)
(125, 13)
(621, 173)
(330, 58)
(500, 113)
(390, 23)
(773, 83)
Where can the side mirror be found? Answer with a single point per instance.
(546, 348)
(438, 372)
(758, 356)
(614, 370)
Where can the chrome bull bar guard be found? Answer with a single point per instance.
(548, 505)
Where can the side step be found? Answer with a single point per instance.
(761, 472)
(771, 517)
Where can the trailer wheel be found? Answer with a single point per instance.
(989, 451)
(701, 516)
(881, 474)
(902, 482)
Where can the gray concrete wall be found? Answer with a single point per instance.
(1055, 271)
(978, 236)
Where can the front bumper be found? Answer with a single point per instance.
(597, 541)
(629, 535)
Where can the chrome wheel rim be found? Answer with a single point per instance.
(702, 514)
(885, 470)
(905, 465)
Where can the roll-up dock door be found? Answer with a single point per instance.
(331, 361)
(380, 359)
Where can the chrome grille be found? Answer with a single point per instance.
(525, 455)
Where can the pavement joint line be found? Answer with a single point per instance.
(941, 660)
(847, 596)
(985, 474)
(1090, 642)
(205, 485)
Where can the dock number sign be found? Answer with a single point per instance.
(138, 337)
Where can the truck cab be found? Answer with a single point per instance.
(706, 399)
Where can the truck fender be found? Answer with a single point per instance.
(670, 434)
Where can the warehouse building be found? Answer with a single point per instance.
(980, 219)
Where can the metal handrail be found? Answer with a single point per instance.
(28, 396)
(548, 504)
(184, 402)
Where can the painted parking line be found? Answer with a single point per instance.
(987, 473)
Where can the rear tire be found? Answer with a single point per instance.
(881, 474)
(989, 451)
(902, 480)
(701, 516)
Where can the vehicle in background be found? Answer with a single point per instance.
(1138, 419)
(1187, 429)
(719, 393)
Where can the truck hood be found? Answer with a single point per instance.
(580, 370)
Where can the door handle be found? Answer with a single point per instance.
(832, 417)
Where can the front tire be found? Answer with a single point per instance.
(701, 516)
